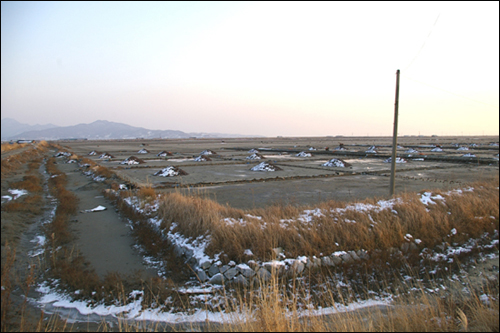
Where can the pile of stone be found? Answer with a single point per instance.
(202, 158)
(255, 156)
(336, 162)
(217, 273)
(106, 155)
(170, 171)
(132, 160)
(264, 166)
(304, 154)
(398, 160)
(164, 153)
(62, 154)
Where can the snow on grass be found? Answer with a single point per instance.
(15, 193)
(427, 198)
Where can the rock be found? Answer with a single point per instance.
(264, 275)
(217, 279)
(394, 251)
(224, 268)
(189, 253)
(241, 280)
(253, 265)
(363, 254)
(192, 262)
(245, 270)
(231, 273)
(327, 261)
(202, 276)
(354, 255)
(405, 247)
(298, 267)
(274, 266)
(214, 269)
(336, 260)
(346, 257)
(316, 262)
(277, 251)
(313, 263)
(205, 264)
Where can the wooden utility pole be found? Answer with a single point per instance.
(394, 138)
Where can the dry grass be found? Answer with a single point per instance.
(13, 162)
(471, 214)
(29, 183)
(276, 307)
(12, 146)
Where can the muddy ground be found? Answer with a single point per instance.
(227, 178)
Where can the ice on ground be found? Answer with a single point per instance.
(468, 155)
(437, 149)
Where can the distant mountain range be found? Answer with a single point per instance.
(98, 130)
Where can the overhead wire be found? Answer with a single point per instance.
(431, 86)
(425, 41)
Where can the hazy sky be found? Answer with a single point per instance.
(291, 69)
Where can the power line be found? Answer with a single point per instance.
(450, 92)
(425, 41)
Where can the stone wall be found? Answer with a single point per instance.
(215, 272)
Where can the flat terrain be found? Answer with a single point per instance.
(104, 238)
(227, 178)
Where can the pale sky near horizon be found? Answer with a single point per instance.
(255, 68)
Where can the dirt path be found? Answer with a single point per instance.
(103, 238)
